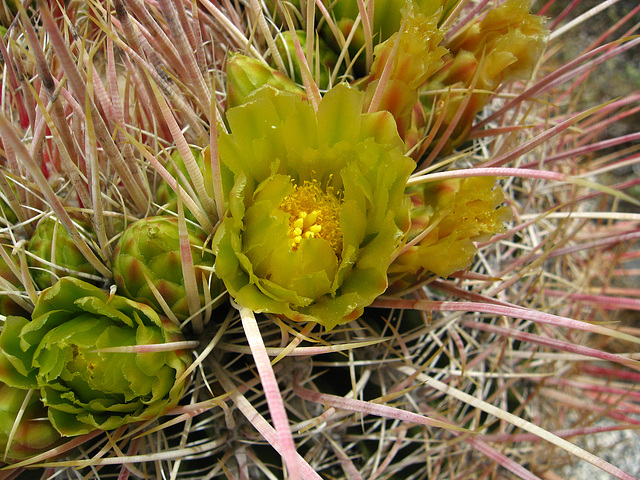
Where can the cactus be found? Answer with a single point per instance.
(349, 220)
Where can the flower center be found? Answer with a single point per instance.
(314, 213)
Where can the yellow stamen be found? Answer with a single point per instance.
(314, 213)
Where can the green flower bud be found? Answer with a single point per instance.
(10, 287)
(245, 75)
(151, 247)
(316, 205)
(54, 254)
(276, 8)
(460, 212)
(388, 14)
(8, 11)
(387, 20)
(167, 196)
(64, 352)
(7, 216)
(34, 434)
(327, 57)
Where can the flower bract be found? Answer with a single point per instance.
(316, 205)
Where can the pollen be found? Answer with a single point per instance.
(314, 213)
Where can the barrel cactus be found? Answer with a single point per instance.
(313, 192)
